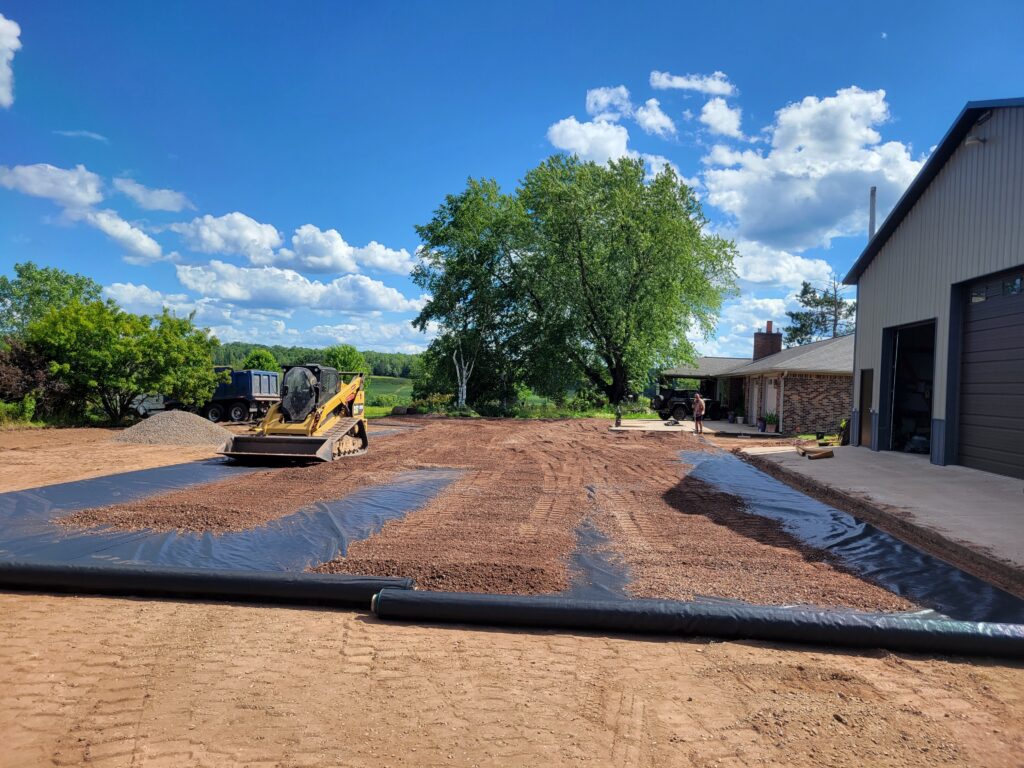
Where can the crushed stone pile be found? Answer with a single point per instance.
(174, 428)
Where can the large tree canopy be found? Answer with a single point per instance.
(589, 273)
(35, 290)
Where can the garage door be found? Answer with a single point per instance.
(992, 377)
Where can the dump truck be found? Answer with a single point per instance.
(320, 417)
(247, 396)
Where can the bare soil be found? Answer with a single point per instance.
(163, 684)
(126, 682)
(34, 457)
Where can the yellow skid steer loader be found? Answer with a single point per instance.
(320, 418)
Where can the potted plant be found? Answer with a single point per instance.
(771, 422)
(741, 415)
(761, 423)
(731, 417)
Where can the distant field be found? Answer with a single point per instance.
(389, 385)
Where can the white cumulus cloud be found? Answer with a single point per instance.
(653, 120)
(811, 184)
(71, 188)
(274, 287)
(325, 251)
(609, 103)
(377, 256)
(715, 84)
(721, 118)
(599, 141)
(314, 250)
(143, 300)
(386, 337)
(152, 199)
(10, 43)
(231, 234)
(759, 263)
(139, 247)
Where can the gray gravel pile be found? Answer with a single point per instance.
(174, 428)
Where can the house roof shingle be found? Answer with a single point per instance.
(707, 367)
(828, 356)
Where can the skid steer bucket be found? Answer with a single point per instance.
(271, 448)
(348, 438)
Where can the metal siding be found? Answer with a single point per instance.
(968, 223)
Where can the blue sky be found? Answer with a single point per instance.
(264, 163)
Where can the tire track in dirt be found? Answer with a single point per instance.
(164, 684)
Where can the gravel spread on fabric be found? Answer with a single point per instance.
(174, 428)
(508, 524)
(236, 504)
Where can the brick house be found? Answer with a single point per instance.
(809, 388)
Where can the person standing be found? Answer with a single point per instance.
(698, 413)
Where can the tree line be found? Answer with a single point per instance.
(235, 354)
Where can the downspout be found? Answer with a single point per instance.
(782, 398)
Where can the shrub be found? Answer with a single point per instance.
(20, 412)
(434, 403)
(464, 412)
(385, 401)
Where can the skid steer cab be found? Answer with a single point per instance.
(321, 417)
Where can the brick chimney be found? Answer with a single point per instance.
(767, 342)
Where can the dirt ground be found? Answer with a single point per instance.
(509, 523)
(115, 682)
(127, 682)
(33, 457)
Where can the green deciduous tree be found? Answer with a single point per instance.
(825, 315)
(589, 273)
(260, 359)
(108, 357)
(465, 267)
(343, 357)
(618, 270)
(34, 291)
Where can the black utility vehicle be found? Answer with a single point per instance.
(678, 404)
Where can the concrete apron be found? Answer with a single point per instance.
(973, 519)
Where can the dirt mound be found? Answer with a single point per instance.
(174, 428)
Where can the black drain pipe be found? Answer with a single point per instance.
(897, 632)
(242, 586)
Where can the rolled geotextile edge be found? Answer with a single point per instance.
(734, 622)
(212, 584)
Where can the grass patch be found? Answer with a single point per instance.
(377, 411)
(389, 385)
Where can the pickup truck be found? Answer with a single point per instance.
(678, 404)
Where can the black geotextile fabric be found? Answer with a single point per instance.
(207, 583)
(595, 573)
(310, 536)
(864, 549)
(734, 621)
